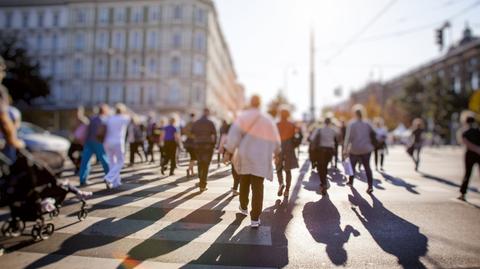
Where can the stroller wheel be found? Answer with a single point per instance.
(49, 228)
(82, 214)
(6, 228)
(36, 231)
(54, 213)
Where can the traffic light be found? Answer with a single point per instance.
(439, 37)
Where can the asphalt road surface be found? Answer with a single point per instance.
(412, 220)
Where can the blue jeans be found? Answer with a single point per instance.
(90, 148)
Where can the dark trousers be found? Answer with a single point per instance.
(135, 149)
(236, 178)
(364, 159)
(204, 154)
(288, 177)
(256, 184)
(75, 154)
(471, 158)
(324, 158)
(170, 149)
(379, 152)
(151, 150)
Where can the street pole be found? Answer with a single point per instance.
(312, 75)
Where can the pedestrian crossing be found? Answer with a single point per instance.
(152, 221)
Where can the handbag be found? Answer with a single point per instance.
(347, 167)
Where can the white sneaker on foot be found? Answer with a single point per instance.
(243, 211)
(235, 192)
(255, 224)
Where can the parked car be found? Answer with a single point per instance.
(49, 148)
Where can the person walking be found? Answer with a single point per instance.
(171, 138)
(153, 138)
(287, 158)
(324, 139)
(204, 136)
(79, 137)
(189, 144)
(359, 143)
(221, 150)
(94, 145)
(255, 137)
(136, 137)
(416, 143)
(470, 137)
(116, 126)
(381, 146)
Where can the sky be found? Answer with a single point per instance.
(269, 42)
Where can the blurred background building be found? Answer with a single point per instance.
(436, 91)
(153, 55)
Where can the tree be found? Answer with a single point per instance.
(23, 80)
(412, 99)
(276, 103)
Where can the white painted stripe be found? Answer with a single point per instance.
(22, 259)
(168, 230)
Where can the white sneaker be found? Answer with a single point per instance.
(255, 224)
(235, 192)
(243, 211)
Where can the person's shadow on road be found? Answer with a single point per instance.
(322, 220)
(392, 233)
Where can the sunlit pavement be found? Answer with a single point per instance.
(412, 220)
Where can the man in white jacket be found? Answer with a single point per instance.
(253, 140)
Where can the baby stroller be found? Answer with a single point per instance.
(31, 190)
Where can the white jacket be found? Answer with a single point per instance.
(255, 139)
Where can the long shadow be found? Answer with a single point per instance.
(447, 182)
(210, 213)
(322, 220)
(393, 234)
(399, 182)
(78, 242)
(277, 217)
(360, 175)
(337, 176)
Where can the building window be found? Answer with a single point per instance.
(102, 40)
(25, 19)
(81, 16)
(80, 41)
(119, 40)
(152, 67)
(134, 95)
(175, 66)
(103, 15)
(137, 15)
(200, 42)
(177, 12)
(475, 83)
(120, 14)
(174, 94)
(115, 94)
(8, 19)
(155, 13)
(152, 38)
(198, 95)
(198, 67)
(101, 68)
(78, 67)
(200, 15)
(100, 94)
(39, 42)
(117, 68)
(177, 41)
(55, 42)
(136, 40)
(150, 95)
(40, 19)
(134, 68)
(56, 19)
